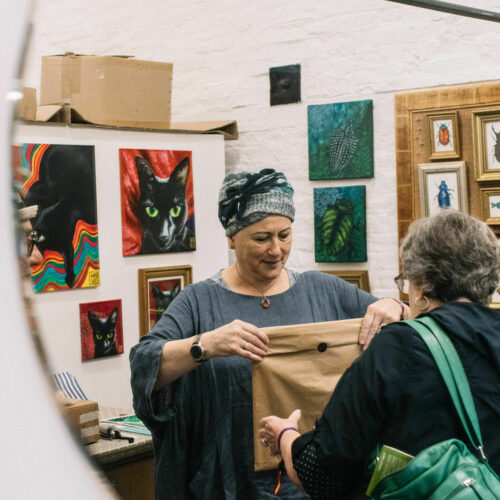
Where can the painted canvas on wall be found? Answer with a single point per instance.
(157, 201)
(101, 329)
(59, 185)
(340, 224)
(340, 140)
(285, 84)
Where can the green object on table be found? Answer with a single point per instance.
(127, 420)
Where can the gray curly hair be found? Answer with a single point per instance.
(452, 255)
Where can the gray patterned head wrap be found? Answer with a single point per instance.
(246, 198)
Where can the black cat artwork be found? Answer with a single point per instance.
(163, 209)
(103, 332)
(64, 194)
(163, 299)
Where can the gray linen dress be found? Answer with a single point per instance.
(202, 424)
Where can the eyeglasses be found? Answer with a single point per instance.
(31, 239)
(402, 283)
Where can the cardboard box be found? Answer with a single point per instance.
(83, 416)
(109, 90)
(26, 107)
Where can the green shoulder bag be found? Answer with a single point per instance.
(445, 470)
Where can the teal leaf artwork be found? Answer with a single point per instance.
(340, 137)
(340, 224)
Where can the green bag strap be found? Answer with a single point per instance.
(453, 374)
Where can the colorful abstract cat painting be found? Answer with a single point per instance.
(157, 201)
(101, 329)
(59, 183)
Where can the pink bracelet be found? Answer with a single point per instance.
(281, 434)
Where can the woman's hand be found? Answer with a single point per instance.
(236, 338)
(271, 427)
(377, 315)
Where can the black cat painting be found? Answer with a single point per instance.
(103, 332)
(163, 298)
(61, 184)
(164, 210)
(101, 329)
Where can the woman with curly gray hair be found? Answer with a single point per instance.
(394, 394)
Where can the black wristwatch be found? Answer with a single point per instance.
(197, 350)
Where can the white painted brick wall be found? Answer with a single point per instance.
(348, 50)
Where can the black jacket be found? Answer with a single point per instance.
(393, 394)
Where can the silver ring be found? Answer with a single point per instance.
(264, 443)
(245, 346)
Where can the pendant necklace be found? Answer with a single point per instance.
(265, 302)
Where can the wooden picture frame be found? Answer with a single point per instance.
(442, 185)
(358, 278)
(158, 286)
(443, 136)
(490, 205)
(486, 136)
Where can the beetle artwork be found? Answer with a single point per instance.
(443, 136)
(444, 195)
(495, 205)
(496, 146)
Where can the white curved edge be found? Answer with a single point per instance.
(40, 459)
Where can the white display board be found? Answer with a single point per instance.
(107, 380)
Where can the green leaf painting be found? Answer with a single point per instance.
(340, 139)
(340, 224)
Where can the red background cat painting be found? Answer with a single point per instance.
(157, 201)
(101, 329)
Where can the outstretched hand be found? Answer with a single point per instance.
(379, 314)
(271, 427)
(237, 338)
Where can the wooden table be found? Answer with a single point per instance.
(128, 466)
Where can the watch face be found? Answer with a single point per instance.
(197, 352)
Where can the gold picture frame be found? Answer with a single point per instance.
(358, 278)
(490, 205)
(486, 137)
(443, 135)
(442, 185)
(158, 286)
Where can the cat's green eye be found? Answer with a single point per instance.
(110, 335)
(98, 336)
(152, 211)
(175, 211)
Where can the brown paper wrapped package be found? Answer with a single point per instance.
(299, 372)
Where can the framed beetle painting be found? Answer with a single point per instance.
(486, 127)
(444, 139)
(158, 287)
(442, 185)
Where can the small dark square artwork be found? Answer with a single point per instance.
(285, 84)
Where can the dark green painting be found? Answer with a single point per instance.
(340, 224)
(340, 140)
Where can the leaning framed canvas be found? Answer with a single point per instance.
(490, 205)
(358, 278)
(443, 135)
(158, 286)
(442, 185)
(486, 128)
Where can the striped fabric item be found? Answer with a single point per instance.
(68, 384)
